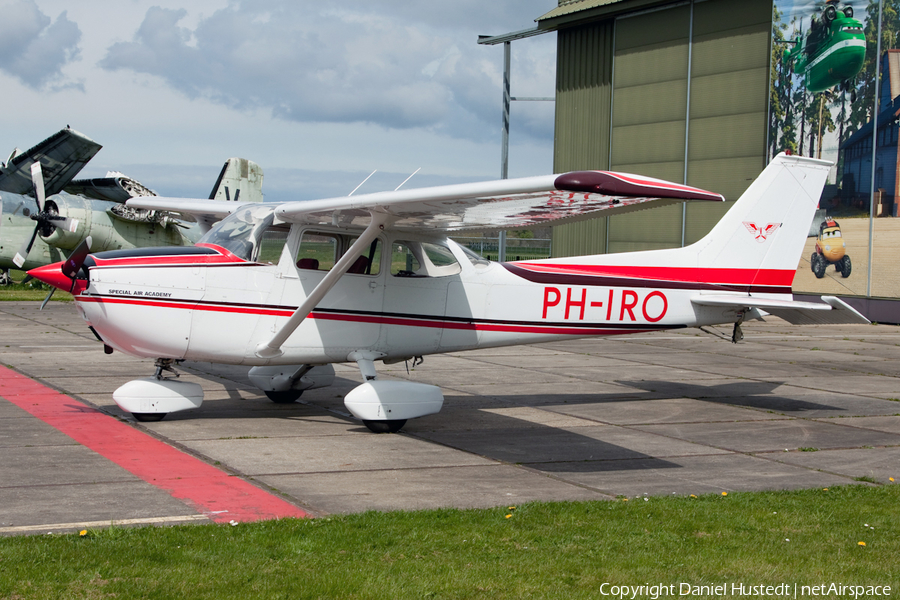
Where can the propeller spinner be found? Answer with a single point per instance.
(63, 275)
(47, 216)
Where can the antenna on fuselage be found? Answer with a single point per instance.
(361, 183)
(407, 179)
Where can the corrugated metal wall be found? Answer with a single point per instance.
(583, 93)
(650, 94)
(645, 113)
(583, 97)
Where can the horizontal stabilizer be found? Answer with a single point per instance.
(834, 312)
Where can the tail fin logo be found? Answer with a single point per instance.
(761, 233)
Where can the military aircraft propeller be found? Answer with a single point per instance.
(47, 216)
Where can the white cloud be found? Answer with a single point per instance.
(34, 48)
(318, 96)
(370, 62)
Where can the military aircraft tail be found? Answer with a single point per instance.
(239, 181)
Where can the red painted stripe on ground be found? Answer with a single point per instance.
(210, 491)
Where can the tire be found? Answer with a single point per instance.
(819, 265)
(846, 266)
(385, 426)
(285, 397)
(149, 417)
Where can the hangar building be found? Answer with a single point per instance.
(675, 90)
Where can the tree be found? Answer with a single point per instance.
(861, 110)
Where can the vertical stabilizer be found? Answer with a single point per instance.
(768, 225)
(239, 181)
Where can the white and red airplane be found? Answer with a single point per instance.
(291, 288)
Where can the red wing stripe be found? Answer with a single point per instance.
(622, 184)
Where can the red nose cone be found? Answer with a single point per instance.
(52, 275)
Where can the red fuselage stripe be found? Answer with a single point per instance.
(769, 277)
(378, 319)
(222, 497)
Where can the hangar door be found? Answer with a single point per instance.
(687, 99)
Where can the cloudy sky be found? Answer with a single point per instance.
(318, 93)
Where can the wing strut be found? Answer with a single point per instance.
(272, 348)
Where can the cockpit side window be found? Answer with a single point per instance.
(271, 244)
(318, 251)
(369, 262)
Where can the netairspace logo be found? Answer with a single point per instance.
(784, 590)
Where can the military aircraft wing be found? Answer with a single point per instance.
(204, 212)
(834, 311)
(501, 204)
(115, 187)
(62, 156)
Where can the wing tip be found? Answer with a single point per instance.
(624, 184)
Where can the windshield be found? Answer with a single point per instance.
(241, 232)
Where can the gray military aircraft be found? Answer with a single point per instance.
(45, 212)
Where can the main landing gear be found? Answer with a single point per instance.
(285, 397)
(385, 406)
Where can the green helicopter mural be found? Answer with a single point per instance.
(832, 51)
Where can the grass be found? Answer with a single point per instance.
(33, 290)
(541, 550)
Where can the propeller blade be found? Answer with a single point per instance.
(63, 222)
(73, 264)
(22, 254)
(47, 299)
(37, 179)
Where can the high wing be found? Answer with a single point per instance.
(834, 312)
(502, 204)
(62, 156)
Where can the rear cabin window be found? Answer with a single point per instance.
(422, 259)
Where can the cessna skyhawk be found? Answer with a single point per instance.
(291, 288)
